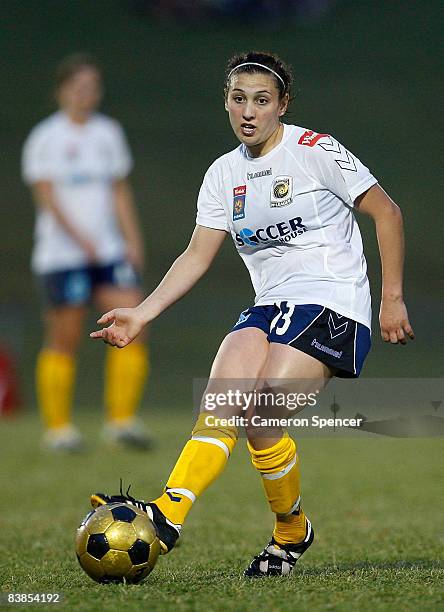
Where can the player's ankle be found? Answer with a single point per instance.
(292, 530)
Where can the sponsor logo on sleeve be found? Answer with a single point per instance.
(281, 191)
(343, 158)
(310, 138)
(239, 195)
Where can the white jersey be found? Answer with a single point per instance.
(290, 215)
(81, 161)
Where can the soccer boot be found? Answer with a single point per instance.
(167, 532)
(279, 559)
(66, 439)
(130, 434)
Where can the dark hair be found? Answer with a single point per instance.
(72, 64)
(267, 59)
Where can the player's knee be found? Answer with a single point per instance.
(264, 422)
(210, 427)
(60, 344)
(64, 344)
(63, 331)
(261, 437)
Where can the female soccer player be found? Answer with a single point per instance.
(87, 248)
(286, 195)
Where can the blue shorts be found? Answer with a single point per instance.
(75, 287)
(341, 343)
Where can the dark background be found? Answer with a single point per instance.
(367, 72)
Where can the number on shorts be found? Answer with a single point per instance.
(284, 317)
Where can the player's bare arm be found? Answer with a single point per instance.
(124, 324)
(43, 194)
(393, 317)
(128, 221)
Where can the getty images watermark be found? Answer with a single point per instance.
(272, 401)
(386, 406)
(249, 399)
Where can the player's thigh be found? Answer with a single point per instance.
(287, 373)
(290, 370)
(107, 297)
(64, 327)
(65, 294)
(235, 369)
(242, 354)
(286, 362)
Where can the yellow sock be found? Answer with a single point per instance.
(55, 373)
(279, 467)
(126, 372)
(202, 460)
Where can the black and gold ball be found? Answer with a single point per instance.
(117, 543)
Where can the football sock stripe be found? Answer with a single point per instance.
(214, 441)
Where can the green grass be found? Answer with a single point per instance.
(376, 505)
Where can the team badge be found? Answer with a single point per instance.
(239, 195)
(281, 191)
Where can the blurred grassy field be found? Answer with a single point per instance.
(375, 505)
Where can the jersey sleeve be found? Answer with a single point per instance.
(210, 211)
(36, 158)
(336, 169)
(121, 158)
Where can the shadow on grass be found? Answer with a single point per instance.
(186, 576)
(370, 566)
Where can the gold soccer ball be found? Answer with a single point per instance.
(117, 543)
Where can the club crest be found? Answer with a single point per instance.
(281, 191)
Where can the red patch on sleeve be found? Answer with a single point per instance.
(310, 138)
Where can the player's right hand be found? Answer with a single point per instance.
(125, 325)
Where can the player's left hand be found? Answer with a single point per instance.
(394, 321)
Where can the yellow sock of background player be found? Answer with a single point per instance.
(279, 467)
(126, 372)
(200, 463)
(55, 374)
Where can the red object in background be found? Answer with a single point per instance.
(9, 387)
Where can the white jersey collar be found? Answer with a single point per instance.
(288, 129)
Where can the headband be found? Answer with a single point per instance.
(261, 66)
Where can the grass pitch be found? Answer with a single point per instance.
(375, 503)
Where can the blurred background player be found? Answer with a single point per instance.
(88, 249)
(286, 196)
